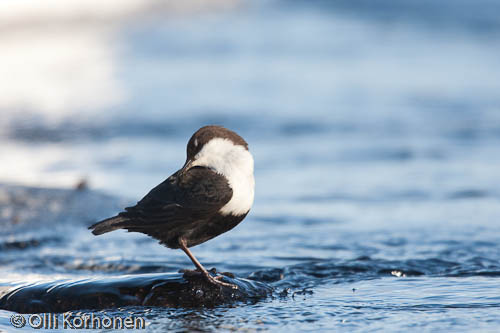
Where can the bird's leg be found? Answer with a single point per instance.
(210, 278)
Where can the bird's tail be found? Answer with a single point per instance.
(107, 225)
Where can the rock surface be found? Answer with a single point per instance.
(167, 290)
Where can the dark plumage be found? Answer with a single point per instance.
(183, 205)
(193, 205)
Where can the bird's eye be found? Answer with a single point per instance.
(195, 142)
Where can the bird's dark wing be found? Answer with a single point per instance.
(177, 205)
(196, 193)
(180, 200)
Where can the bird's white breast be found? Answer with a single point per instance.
(236, 164)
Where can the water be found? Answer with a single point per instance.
(375, 131)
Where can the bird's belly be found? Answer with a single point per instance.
(201, 231)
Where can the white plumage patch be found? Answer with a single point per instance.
(236, 164)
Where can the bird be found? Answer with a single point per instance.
(210, 195)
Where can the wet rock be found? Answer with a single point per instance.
(167, 290)
(32, 207)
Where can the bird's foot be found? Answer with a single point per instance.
(217, 281)
(212, 279)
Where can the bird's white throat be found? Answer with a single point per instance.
(236, 164)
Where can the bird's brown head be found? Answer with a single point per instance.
(207, 133)
(225, 153)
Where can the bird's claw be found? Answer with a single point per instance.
(217, 280)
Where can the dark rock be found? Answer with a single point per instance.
(166, 289)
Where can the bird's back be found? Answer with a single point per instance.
(185, 204)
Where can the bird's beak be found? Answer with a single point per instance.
(186, 166)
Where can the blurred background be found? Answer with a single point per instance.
(112, 91)
(375, 125)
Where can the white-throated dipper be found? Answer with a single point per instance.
(208, 196)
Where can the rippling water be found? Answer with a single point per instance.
(375, 131)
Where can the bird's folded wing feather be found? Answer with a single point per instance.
(196, 194)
